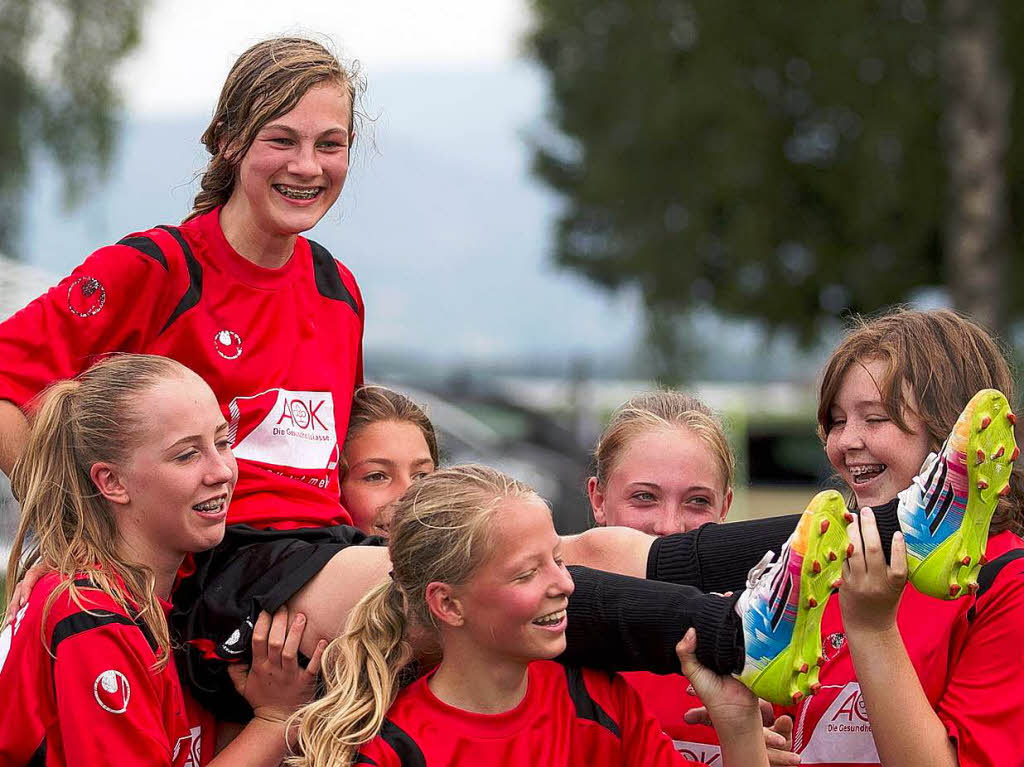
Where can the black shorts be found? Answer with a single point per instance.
(216, 607)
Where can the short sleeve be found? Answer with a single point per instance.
(110, 303)
(983, 703)
(110, 703)
(643, 741)
(377, 753)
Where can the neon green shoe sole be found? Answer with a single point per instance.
(945, 514)
(784, 603)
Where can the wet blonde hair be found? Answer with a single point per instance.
(441, 531)
(65, 524)
(377, 404)
(662, 410)
(936, 359)
(266, 81)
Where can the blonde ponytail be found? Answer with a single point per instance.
(65, 525)
(440, 532)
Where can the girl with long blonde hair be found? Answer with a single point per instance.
(476, 561)
(126, 474)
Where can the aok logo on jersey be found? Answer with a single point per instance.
(288, 429)
(187, 747)
(702, 753)
(841, 733)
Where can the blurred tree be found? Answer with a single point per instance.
(57, 59)
(786, 162)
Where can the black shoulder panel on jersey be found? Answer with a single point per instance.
(39, 757)
(363, 759)
(83, 621)
(988, 573)
(146, 246)
(409, 754)
(195, 277)
(586, 706)
(328, 281)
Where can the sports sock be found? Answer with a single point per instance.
(620, 623)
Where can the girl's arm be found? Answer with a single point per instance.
(13, 435)
(906, 730)
(733, 709)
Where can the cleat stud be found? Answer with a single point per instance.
(981, 456)
(982, 484)
(1011, 418)
(820, 662)
(815, 687)
(812, 602)
(1015, 454)
(973, 587)
(966, 561)
(798, 696)
(816, 567)
(954, 589)
(1006, 490)
(848, 516)
(804, 668)
(982, 560)
(837, 583)
(985, 422)
(849, 550)
(824, 526)
(832, 556)
(999, 453)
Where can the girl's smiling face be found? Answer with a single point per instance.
(873, 456)
(666, 481)
(382, 460)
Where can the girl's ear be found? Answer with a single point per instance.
(596, 496)
(107, 479)
(726, 504)
(443, 604)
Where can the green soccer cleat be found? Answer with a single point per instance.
(945, 513)
(784, 602)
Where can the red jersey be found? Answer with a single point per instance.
(967, 654)
(568, 718)
(89, 695)
(668, 697)
(281, 349)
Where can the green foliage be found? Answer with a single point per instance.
(776, 161)
(57, 60)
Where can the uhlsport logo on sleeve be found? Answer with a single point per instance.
(112, 691)
(284, 428)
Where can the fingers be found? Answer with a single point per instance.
(874, 557)
(772, 739)
(260, 633)
(290, 651)
(767, 712)
(898, 568)
(276, 638)
(697, 715)
(239, 674)
(855, 559)
(686, 650)
(782, 758)
(313, 667)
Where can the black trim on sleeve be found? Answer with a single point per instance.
(409, 754)
(195, 277)
(586, 706)
(83, 621)
(147, 247)
(363, 759)
(328, 282)
(988, 574)
(39, 757)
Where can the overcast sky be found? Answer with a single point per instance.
(188, 45)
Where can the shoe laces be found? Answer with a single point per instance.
(758, 570)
